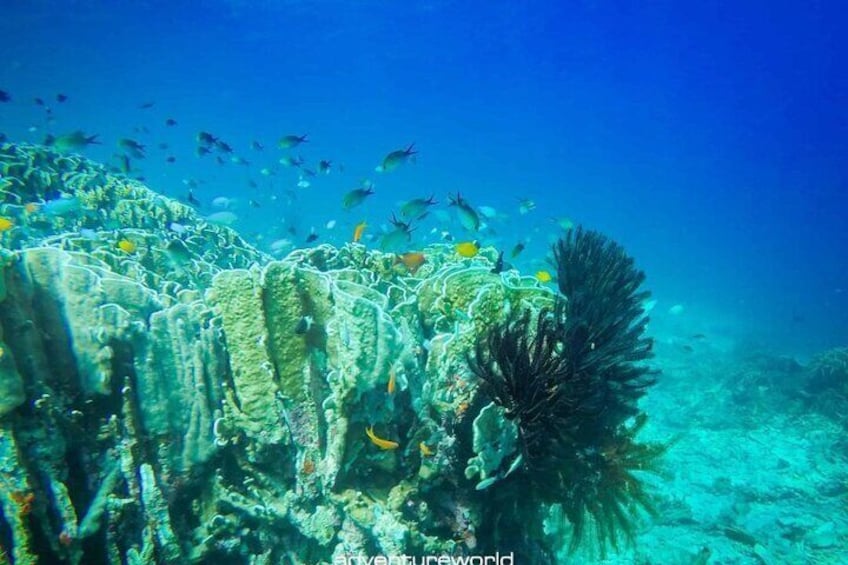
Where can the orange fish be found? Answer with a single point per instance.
(6, 224)
(380, 442)
(392, 385)
(412, 261)
(31, 207)
(425, 451)
(357, 231)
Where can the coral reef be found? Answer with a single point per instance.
(827, 383)
(187, 399)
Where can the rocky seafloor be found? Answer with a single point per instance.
(188, 399)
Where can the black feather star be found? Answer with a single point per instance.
(569, 376)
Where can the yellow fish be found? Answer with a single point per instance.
(380, 442)
(126, 246)
(467, 249)
(357, 231)
(544, 276)
(6, 224)
(425, 451)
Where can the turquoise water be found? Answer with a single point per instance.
(709, 140)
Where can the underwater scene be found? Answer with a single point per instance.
(432, 282)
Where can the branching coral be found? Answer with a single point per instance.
(570, 379)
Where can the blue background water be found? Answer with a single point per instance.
(709, 138)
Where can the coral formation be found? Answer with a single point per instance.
(827, 382)
(186, 398)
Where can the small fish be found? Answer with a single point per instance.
(126, 246)
(425, 451)
(289, 141)
(398, 238)
(38, 101)
(256, 146)
(206, 138)
(467, 249)
(222, 202)
(64, 204)
(146, 105)
(412, 261)
(6, 224)
(89, 234)
(417, 207)
(124, 164)
(405, 227)
(5, 96)
(178, 253)
(177, 228)
(699, 336)
(280, 246)
(289, 161)
(223, 147)
(224, 218)
(390, 388)
(380, 442)
(396, 158)
(525, 206)
(239, 160)
(192, 199)
(32, 207)
(516, 251)
(304, 325)
(499, 264)
(330, 225)
(61, 98)
(467, 216)
(170, 159)
(358, 231)
(395, 240)
(313, 236)
(71, 141)
(170, 122)
(324, 167)
(357, 196)
(544, 276)
(253, 203)
(133, 147)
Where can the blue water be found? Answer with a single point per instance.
(708, 138)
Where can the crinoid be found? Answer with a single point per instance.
(570, 377)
